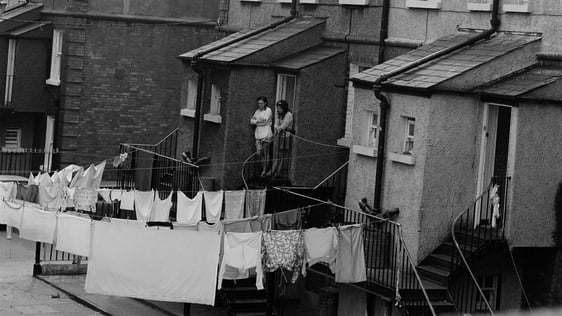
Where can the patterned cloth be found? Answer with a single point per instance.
(283, 249)
(85, 199)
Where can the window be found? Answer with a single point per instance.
(215, 99)
(490, 285)
(56, 54)
(370, 134)
(214, 114)
(286, 89)
(353, 69)
(191, 99)
(12, 138)
(373, 129)
(423, 4)
(409, 135)
(10, 72)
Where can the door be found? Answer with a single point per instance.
(495, 156)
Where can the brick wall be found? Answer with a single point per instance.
(120, 83)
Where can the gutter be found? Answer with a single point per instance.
(385, 104)
(196, 66)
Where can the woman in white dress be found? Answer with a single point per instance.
(262, 119)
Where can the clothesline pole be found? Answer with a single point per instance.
(186, 309)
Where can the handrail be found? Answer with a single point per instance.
(243, 167)
(158, 143)
(160, 155)
(331, 174)
(418, 278)
(457, 246)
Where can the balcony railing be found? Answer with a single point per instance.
(391, 272)
(20, 162)
(275, 161)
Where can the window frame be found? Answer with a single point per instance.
(281, 90)
(372, 127)
(494, 289)
(409, 121)
(190, 98)
(10, 72)
(214, 114)
(56, 59)
(423, 4)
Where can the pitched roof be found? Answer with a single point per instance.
(255, 43)
(524, 82)
(308, 57)
(448, 66)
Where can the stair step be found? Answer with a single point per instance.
(448, 247)
(441, 260)
(434, 274)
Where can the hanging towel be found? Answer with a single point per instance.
(283, 249)
(52, 197)
(28, 193)
(85, 199)
(105, 195)
(350, 261)
(128, 260)
(38, 225)
(8, 190)
(116, 195)
(73, 234)
(189, 210)
(255, 202)
(213, 205)
(249, 225)
(234, 204)
(321, 245)
(288, 220)
(128, 200)
(143, 204)
(98, 175)
(242, 251)
(11, 213)
(161, 208)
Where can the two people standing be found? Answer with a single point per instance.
(264, 135)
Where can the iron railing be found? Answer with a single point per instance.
(165, 147)
(391, 272)
(20, 162)
(275, 157)
(483, 222)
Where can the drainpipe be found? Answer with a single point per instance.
(196, 61)
(384, 29)
(385, 104)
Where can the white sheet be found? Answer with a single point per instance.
(38, 225)
(73, 234)
(143, 204)
(166, 265)
(11, 213)
(8, 190)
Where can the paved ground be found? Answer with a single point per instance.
(20, 293)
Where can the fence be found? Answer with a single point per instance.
(21, 162)
(390, 270)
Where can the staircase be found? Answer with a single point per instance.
(474, 235)
(242, 298)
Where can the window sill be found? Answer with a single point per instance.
(353, 2)
(516, 8)
(300, 1)
(479, 6)
(365, 151)
(214, 118)
(402, 158)
(423, 4)
(344, 142)
(53, 82)
(187, 112)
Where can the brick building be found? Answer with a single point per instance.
(119, 77)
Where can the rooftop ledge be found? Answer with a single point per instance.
(423, 4)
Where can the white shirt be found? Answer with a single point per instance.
(262, 120)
